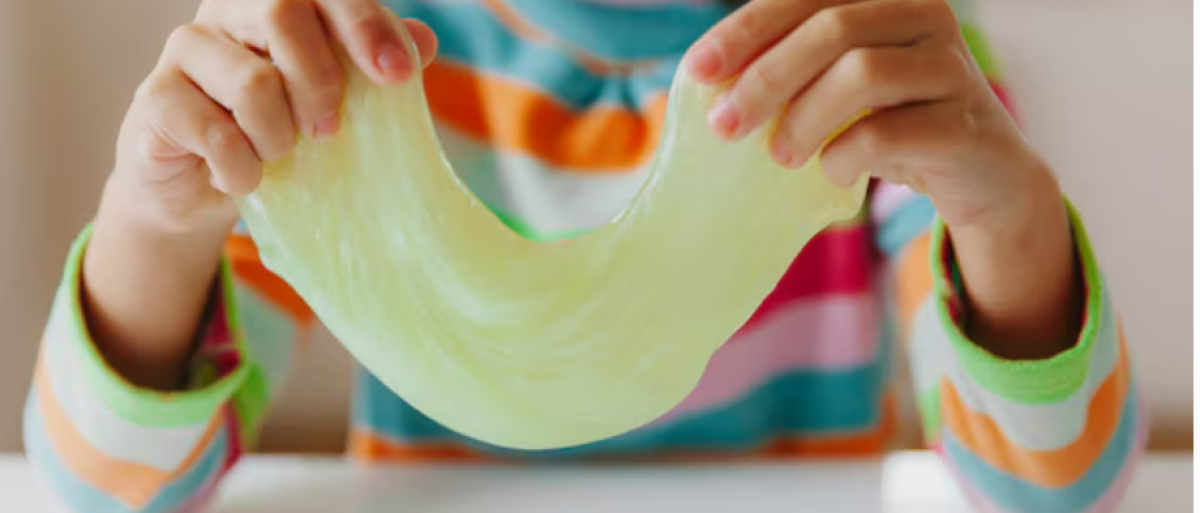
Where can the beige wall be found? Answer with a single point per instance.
(1104, 86)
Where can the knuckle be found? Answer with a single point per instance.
(257, 82)
(284, 12)
(371, 25)
(183, 36)
(865, 66)
(223, 139)
(835, 24)
(155, 88)
(763, 80)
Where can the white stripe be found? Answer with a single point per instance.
(1039, 427)
(105, 430)
(548, 198)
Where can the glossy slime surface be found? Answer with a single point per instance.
(518, 343)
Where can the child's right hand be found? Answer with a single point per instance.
(232, 90)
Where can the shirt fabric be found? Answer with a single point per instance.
(550, 112)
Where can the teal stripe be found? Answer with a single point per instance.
(622, 32)
(191, 483)
(470, 35)
(78, 495)
(1016, 494)
(804, 402)
(905, 224)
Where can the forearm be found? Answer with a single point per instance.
(1021, 275)
(145, 291)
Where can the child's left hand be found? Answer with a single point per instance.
(935, 125)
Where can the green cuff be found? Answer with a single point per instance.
(133, 403)
(1025, 381)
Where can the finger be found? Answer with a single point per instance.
(371, 37)
(741, 36)
(312, 75)
(424, 38)
(240, 81)
(788, 67)
(865, 79)
(184, 116)
(894, 144)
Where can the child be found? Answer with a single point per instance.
(163, 350)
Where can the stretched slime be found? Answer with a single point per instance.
(523, 344)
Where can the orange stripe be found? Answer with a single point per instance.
(520, 118)
(914, 280)
(243, 256)
(134, 484)
(365, 445)
(1054, 468)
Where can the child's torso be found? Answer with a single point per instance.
(550, 111)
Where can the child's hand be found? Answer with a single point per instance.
(233, 89)
(935, 125)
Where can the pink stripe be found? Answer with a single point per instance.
(202, 497)
(887, 198)
(835, 262)
(1005, 99)
(217, 333)
(830, 333)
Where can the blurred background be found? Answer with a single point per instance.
(1104, 88)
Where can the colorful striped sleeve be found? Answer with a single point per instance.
(1059, 435)
(100, 443)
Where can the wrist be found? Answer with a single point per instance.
(1020, 272)
(145, 287)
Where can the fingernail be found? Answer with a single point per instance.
(724, 119)
(393, 61)
(782, 154)
(704, 61)
(327, 126)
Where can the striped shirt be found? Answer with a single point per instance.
(550, 112)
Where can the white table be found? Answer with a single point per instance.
(902, 483)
